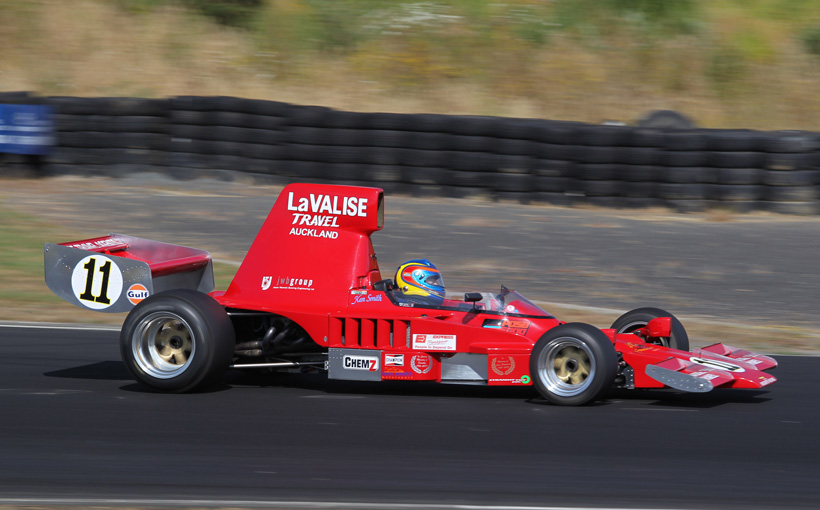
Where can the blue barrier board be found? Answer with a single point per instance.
(26, 129)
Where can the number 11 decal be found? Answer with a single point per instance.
(105, 269)
(96, 282)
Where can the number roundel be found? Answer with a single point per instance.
(96, 282)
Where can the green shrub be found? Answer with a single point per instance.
(236, 13)
(811, 40)
(650, 17)
(725, 68)
(139, 6)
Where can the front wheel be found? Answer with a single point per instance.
(573, 364)
(640, 317)
(177, 341)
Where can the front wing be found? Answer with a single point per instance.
(698, 371)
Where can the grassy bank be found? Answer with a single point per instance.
(726, 63)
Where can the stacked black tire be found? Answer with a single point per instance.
(210, 134)
(741, 171)
(327, 145)
(791, 173)
(526, 160)
(109, 135)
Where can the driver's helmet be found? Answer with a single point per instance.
(420, 278)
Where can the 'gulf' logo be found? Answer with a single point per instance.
(136, 293)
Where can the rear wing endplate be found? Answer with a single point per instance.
(115, 272)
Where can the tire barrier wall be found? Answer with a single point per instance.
(528, 160)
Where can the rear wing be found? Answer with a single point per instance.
(115, 272)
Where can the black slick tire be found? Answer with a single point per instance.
(640, 317)
(177, 341)
(573, 364)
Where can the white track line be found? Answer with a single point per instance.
(285, 504)
(51, 325)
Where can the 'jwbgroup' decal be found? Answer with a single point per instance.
(96, 282)
(286, 282)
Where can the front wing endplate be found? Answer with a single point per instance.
(679, 380)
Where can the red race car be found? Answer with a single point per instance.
(310, 296)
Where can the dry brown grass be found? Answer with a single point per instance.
(92, 48)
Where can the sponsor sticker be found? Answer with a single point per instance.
(315, 220)
(96, 282)
(519, 327)
(421, 363)
(136, 293)
(96, 244)
(322, 212)
(287, 282)
(312, 232)
(394, 360)
(515, 380)
(434, 342)
(367, 363)
(507, 369)
(642, 347)
(369, 298)
(503, 365)
(328, 204)
(767, 381)
(720, 365)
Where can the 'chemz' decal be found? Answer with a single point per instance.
(361, 363)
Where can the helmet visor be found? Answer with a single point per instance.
(433, 279)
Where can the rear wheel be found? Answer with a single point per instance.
(177, 341)
(573, 364)
(640, 317)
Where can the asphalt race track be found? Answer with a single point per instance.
(76, 428)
